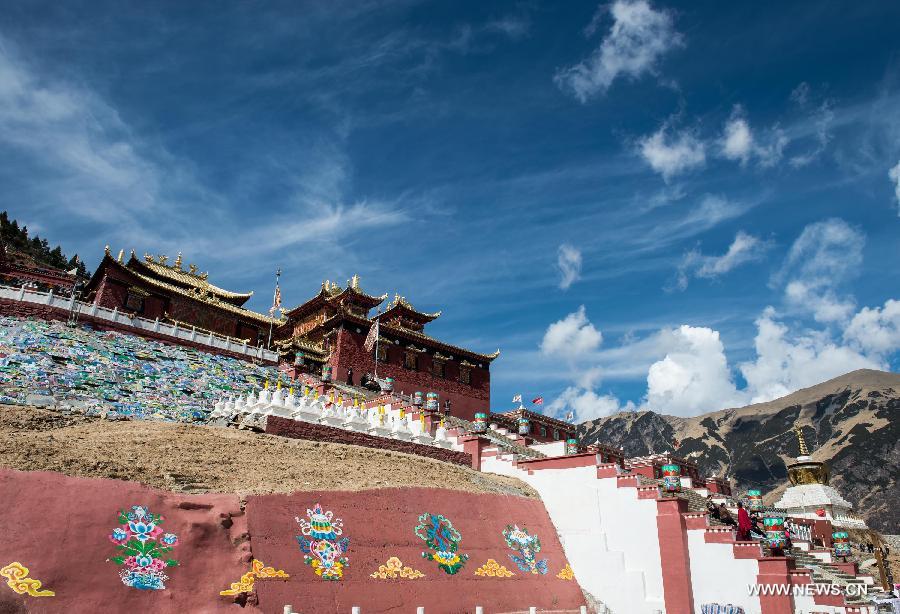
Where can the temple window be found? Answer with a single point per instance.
(543, 431)
(411, 361)
(382, 354)
(437, 368)
(556, 434)
(465, 375)
(135, 299)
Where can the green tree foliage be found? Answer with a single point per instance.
(37, 248)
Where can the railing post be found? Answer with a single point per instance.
(156, 325)
(50, 298)
(22, 293)
(193, 333)
(115, 313)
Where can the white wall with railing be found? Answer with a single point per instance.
(191, 334)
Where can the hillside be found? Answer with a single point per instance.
(850, 421)
(201, 459)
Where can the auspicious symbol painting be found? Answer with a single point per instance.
(258, 569)
(493, 569)
(324, 552)
(528, 547)
(17, 578)
(394, 569)
(143, 548)
(438, 534)
(566, 573)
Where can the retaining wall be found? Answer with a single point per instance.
(59, 527)
(298, 429)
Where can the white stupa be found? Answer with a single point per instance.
(810, 496)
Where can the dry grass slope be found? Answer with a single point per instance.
(199, 459)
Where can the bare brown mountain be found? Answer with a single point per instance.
(850, 421)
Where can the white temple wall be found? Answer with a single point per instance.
(718, 577)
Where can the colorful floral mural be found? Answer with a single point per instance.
(324, 552)
(17, 578)
(528, 547)
(394, 569)
(493, 569)
(143, 546)
(259, 570)
(438, 534)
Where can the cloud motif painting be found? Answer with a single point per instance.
(528, 547)
(324, 552)
(438, 534)
(143, 546)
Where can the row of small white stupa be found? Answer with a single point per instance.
(251, 410)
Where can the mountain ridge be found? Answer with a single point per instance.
(848, 421)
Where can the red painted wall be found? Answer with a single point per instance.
(465, 399)
(381, 523)
(58, 527)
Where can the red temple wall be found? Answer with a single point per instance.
(465, 400)
(62, 526)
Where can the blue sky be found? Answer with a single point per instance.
(673, 206)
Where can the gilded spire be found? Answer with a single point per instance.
(121, 255)
(178, 261)
(804, 451)
(354, 282)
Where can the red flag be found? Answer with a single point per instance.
(538, 401)
(371, 338)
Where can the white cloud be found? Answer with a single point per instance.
(800, 94)
(569, 262)
(688, 372)
(894, 175)
(739, 143)
(586, 404)
(693, 377)
(745, 248)
(639, 37)
(785, 362)
(670, 156)
(571, 337)
(876, 331)
(824, 255)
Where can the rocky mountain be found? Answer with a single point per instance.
(850, 421)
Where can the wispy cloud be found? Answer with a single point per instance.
(637, 40)
(739, 143)
(568, 261)
(894, 176)
(745, 248)
(825, 254)
(671, 155)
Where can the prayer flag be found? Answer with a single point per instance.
(538, 401)
(517, 398)
(371, 338)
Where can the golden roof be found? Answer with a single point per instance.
(190, 277)
(198, 295)
(401, 302)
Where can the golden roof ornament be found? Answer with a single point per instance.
(162, 259)
(148, 257)
(178, 261)
(805, 470)
(106, 250)
(121, 255)
(354, 282)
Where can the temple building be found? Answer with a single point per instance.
(540, 428)
(152, 288)
(809, 495)
(327, 333)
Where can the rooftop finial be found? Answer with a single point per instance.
(178, 261)
(106, 250)
(121, 255)
(354, 282)
(804, 451)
